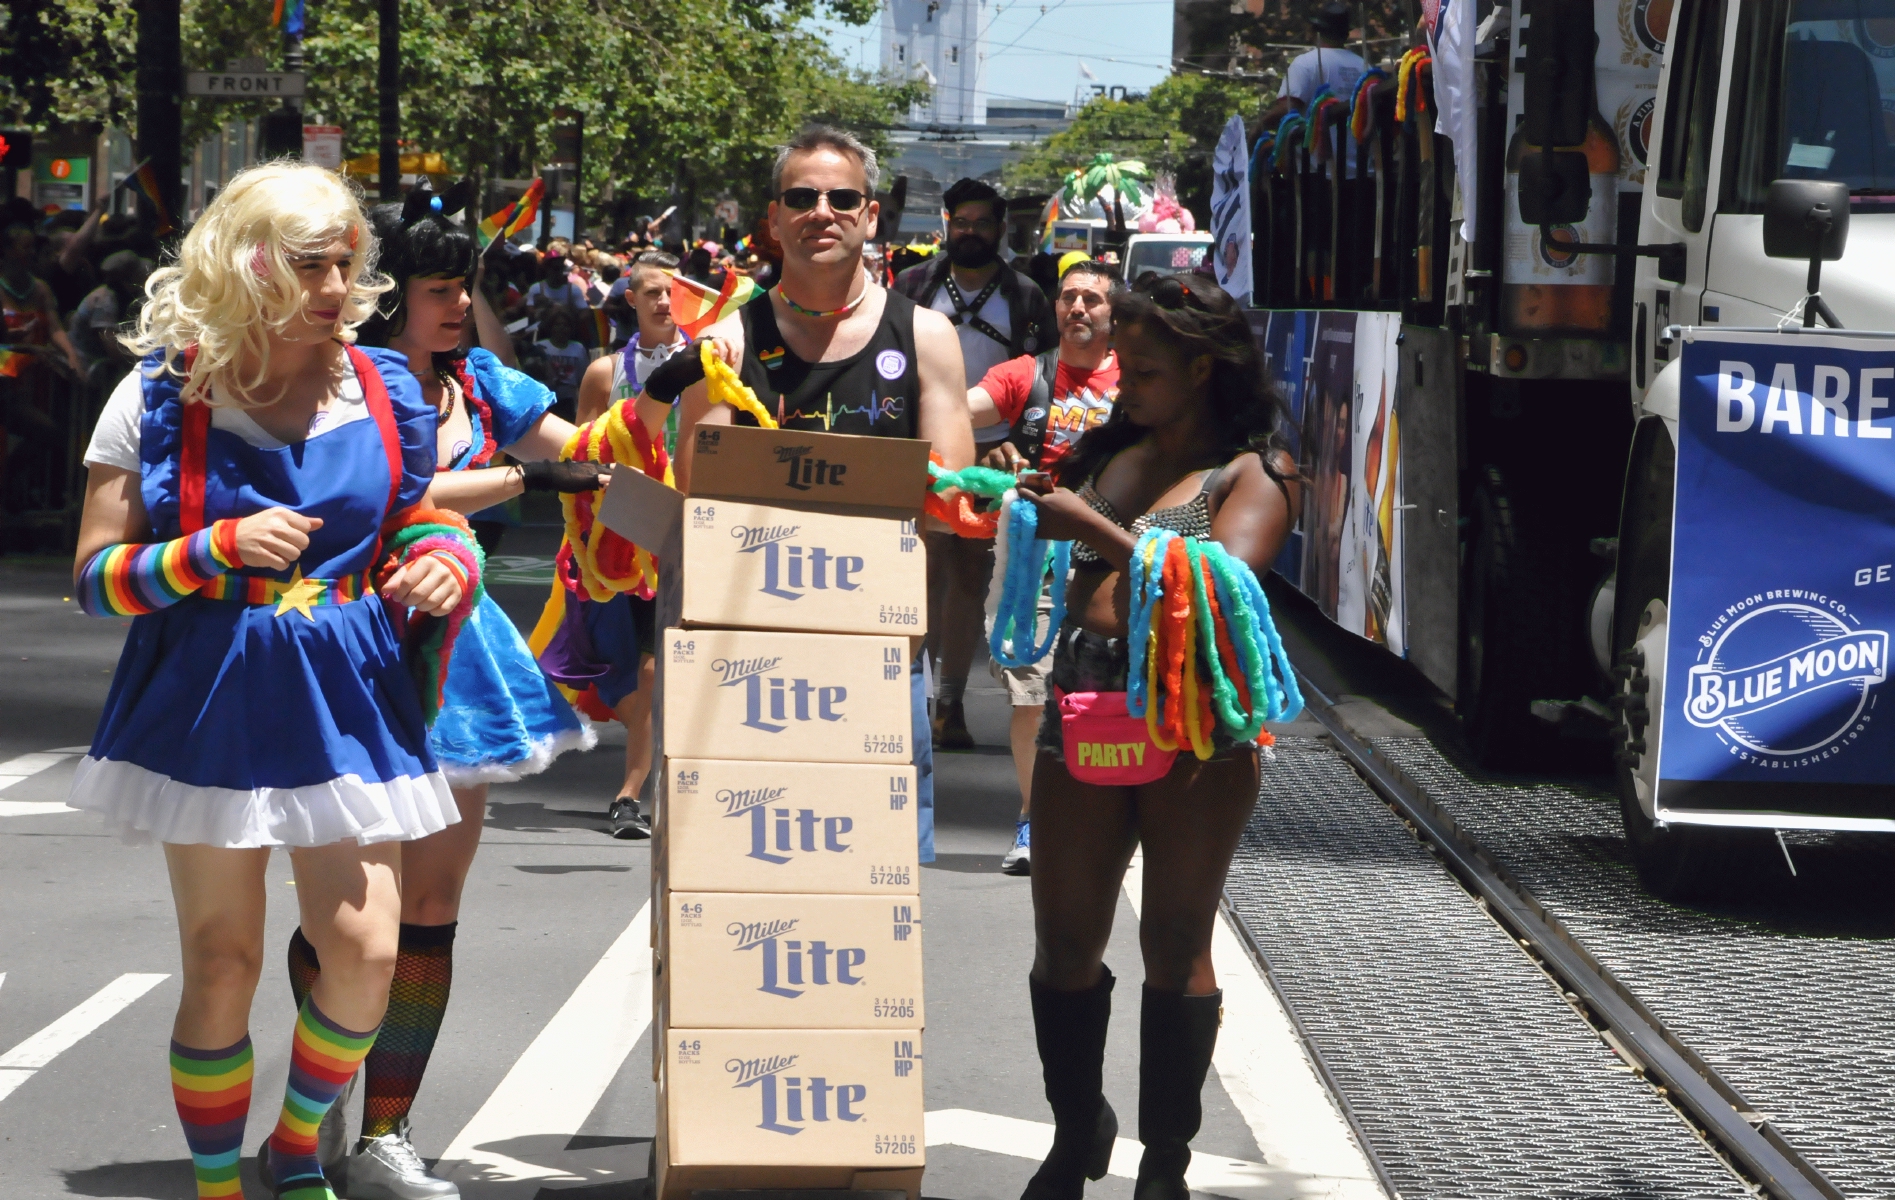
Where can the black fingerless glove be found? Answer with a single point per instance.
(675, 374)
(566, 477)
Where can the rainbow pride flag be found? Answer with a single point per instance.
(695, 307)
(13, 362)
(146, 180)
(514, 217)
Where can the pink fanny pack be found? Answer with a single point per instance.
(1105, 744)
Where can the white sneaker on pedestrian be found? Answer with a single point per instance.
(387, 1168)
(1019, 860)
(332, 1136)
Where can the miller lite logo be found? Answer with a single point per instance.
(789, 699)
(789, 567)
(788, 1103)
(803, 832)
(1784, 677)
(806, 472)
(789, 965)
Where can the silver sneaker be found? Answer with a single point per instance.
(387, 1168)
(1019, 860)
(332, 1136)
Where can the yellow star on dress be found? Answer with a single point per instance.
(299, 595)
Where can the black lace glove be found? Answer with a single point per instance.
(675, 374)
(560, 476)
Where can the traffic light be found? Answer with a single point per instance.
(16, 148)
(282, 133)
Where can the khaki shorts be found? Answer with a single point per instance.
(1027, 685)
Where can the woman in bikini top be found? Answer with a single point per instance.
(1191, 446)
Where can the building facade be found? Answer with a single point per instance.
(939, 41)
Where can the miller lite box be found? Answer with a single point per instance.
(786, 697)
(760, 567)
(732, 826)
(802, 1108)
(826, 472)
(749, 960)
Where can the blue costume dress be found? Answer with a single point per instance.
(501, 719)
(242, 721)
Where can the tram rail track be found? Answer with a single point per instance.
(1729, 1122)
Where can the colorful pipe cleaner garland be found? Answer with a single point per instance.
(603, 562)
(1407, 76)
(725, 387)
(427, 642)
(1023, 560)
(959, 514)
(1193, 603)
(1359, 107)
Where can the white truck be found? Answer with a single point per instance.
(1491, 427)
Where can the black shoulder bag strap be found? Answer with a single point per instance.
(1028, 434)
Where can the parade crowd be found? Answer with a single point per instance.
(293, 494)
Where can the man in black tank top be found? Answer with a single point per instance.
(828, 349)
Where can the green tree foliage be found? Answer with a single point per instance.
(693, 95)
(1174, 128)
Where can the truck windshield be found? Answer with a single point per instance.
(1167, 256)
(1813, 97)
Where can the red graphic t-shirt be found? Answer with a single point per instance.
(1081, 398)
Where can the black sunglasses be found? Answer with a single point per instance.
(802, 199)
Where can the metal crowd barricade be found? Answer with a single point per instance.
(46, 420)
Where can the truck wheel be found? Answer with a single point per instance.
(1679, 863)
(1509, 652)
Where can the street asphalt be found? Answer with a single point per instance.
(549, 895)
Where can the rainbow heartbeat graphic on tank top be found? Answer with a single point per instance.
(878, 407)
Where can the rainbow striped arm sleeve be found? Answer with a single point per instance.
(132, 578)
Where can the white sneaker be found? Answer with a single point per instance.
(387, 1168)
(1019, 860)
(332, 1136)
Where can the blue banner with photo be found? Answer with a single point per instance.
(1782, 578)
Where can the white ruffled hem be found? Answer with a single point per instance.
(143, 806)
(539, 757)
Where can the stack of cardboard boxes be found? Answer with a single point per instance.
(788, 941)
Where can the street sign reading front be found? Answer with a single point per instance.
(243, 84)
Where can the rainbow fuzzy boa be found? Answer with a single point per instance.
(959, 513)
(427, 642)
(1196, 612)
(600, 562)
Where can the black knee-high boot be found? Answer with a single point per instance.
(1070, 1029)
(1176, 1034)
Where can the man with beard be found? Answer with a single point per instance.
(1045, 403)
(829, 350)
(999, 314)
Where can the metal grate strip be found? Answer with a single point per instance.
(1468, 1073)
(1788, 1002)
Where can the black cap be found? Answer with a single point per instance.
(1333, 19)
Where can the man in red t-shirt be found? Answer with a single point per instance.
(1081, 389)
(1049, 400)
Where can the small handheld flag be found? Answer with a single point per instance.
(13, 362)
(514, 217)
(695, 307)
(146, 180)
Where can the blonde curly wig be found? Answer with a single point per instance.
(234, 282)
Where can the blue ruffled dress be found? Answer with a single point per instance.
(241, 725)
(501, 718)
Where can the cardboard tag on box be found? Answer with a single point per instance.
(732, 826)
(746, 960)
(831, 471)
(761, 567)
(786, 697)
(788, 1098)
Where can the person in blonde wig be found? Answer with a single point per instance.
(240, 487)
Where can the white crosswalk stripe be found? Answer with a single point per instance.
(554, 1086)
(15, 770)
(19, 1064)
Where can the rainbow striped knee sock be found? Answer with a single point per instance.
(212, 1090)
(323, 1056)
